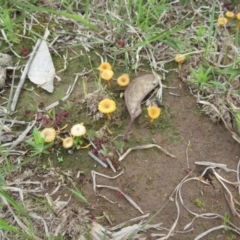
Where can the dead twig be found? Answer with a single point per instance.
(145, 147)
(125, 195)
(24, 74)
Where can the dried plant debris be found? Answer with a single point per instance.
(221, 105)
(91, 101)
(134, 94)
(5, 62)
(95, 186)
(59, 218)
(145, 147)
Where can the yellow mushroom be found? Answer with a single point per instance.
(67, 142)
(229, 15)
(107, 76)
(78, 130)
(180, 58)
(107, 106)
(104, 66)
(48, 134)
(123, 80)
(222, 21)
(154, 112)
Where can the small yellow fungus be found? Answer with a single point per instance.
(154, 112)
(238, 16)
(180, 58)
(78, 130)
(238, 20)
(229, 15)
(48, 134)
(67, 142)
(105, 66)
(107, 106)
(107, 76)
(123, 80)
(222, 21)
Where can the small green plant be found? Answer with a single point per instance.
(105, 152)
(231, 237)
(226, 220)
(119, 146)
(38, 144)
(199, 203)
(78, 141)
(202, 77)
(8, 25)
(44, 166)
(200, 34)
(60, 159)
(78, 194)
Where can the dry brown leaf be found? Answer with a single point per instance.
(137, 90)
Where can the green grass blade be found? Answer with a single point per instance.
(210, 32)
(5, 226)
(78, 194)
(75, 17)
(232, 72)
(166, 33)
(11, 201)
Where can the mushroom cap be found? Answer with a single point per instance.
(107, 106)
(104, 66)
(179, 58)
(78, 130)
(67, 142)
(154, 112)
(229, 14)
(48, 134)
(107, 74)
(222, 21)
(238, 16)
(123, 80)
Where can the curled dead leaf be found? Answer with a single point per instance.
(134, 94)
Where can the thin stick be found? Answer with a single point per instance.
(24, 74)
(144, 147)
(22, 135)
(187, 154)
(125, 195)
(110, 165)
(97, 159)
(238, 175)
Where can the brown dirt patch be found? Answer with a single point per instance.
(150, 176)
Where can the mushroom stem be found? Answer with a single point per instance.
(109, 84)
(179, 66)
(108, 116)
(87, 146)
(62, 128)
(151, 120)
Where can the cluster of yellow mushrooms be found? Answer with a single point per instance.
(222, 21)
(77, 131)
(108, 106)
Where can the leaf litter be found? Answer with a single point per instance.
(134, 94)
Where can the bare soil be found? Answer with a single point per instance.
(151, 176)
